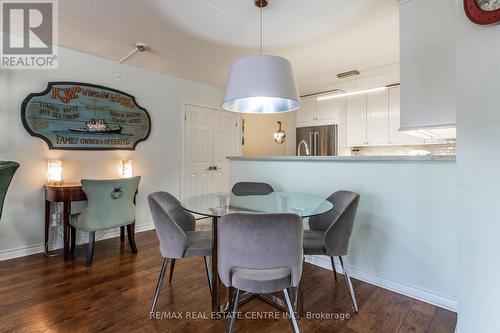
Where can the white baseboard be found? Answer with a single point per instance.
(39, 248)
(398, 287)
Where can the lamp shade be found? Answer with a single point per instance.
(54, 172)
(261, 84)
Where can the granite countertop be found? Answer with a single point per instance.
(343, 158)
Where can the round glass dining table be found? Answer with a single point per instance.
(216, 205)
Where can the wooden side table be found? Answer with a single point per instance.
(68, 193)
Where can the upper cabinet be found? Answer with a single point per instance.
(328, 109)
(307, 112)
(317, 113)
(373, 119)
(377, 118)
(356, 120)
(427, 63)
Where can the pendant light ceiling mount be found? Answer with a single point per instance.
(261, 83)
(261, 3)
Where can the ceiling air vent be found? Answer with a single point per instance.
(348, 74)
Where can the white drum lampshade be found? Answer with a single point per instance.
(261, 84)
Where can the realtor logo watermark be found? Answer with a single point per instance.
(29, 34)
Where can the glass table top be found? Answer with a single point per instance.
(219, 204)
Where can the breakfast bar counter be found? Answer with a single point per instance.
(344, 158)
(406, 217)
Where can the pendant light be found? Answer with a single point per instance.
(280, 135)
(261, 83)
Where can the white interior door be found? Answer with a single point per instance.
(209, 137)
(225, 143)
(198, 143)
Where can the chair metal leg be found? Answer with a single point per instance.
(334, 270)
(90, 250)
(233, 307)
(298, 301)
(158, 285)
(73, 240)
(209, 272)
(171, 273)
(349, 286)
(291, 312)
(122, 234)
(131, 238)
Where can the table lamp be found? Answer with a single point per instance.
(125, 168)
(54, 172)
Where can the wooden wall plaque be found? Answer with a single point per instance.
(82, 116)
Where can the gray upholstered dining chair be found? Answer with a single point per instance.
(260, 253)
(330, 233)
(251, 188)
(110, 205)
(175, 229)
(7, 171)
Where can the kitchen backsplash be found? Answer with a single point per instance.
(435, 149)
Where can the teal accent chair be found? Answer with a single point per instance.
(110, 205)
(7, 171)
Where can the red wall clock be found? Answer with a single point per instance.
(483, 12)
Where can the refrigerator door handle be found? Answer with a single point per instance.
(316, 136)
(311, 147)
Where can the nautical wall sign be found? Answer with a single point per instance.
(82, 116)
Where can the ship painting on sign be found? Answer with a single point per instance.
(98, 126)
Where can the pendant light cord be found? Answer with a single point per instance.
(261, 14)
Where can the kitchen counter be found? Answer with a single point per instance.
(343, 158)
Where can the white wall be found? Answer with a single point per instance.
(427, 39)
(157, 160)
(478, 128)
(405, 234)
(259, 130)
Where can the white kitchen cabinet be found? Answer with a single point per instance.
(318, 113)
(374, 119)
(377, 118)
(356, 120)
(307, 112)
(328, 109)
(395, 136)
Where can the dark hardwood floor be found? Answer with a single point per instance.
(41, 294)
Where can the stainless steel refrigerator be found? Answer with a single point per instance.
(317, 141)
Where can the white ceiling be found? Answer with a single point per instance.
(199, 39)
